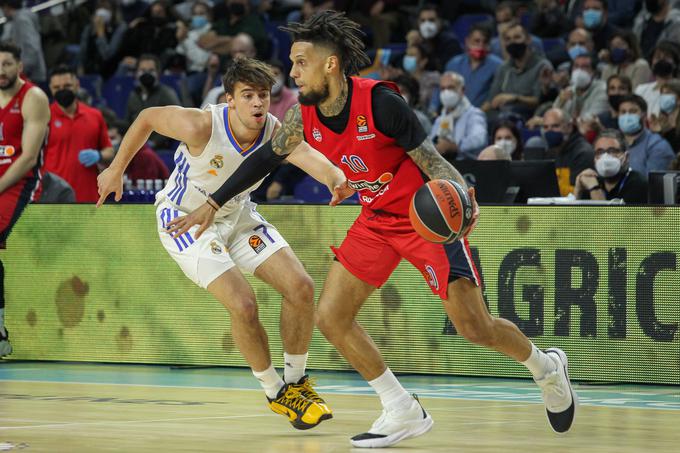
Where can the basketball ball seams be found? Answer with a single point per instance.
(434, 210)
(434, 237)
(426, 202)
(451, 202)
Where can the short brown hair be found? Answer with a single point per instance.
(249, 71)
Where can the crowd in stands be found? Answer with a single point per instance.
(592, 84)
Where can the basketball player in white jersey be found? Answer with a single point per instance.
(214, 142)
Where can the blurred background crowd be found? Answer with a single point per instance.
(590, 84)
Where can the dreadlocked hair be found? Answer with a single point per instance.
(335, 31)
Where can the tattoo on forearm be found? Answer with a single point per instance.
(433, 164)
(290, 134)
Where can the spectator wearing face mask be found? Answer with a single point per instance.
(149, 92)
(282, 97)
(624, 58)
(460, 131)
(585, 97)
(507, 138)
(579, 43)
(101, 40)
(667, 122)
(665, 61)
(516, 88)
(657, 21)
(648, 151)
(188, 38)
(617, 87)
(77, 139)
(549, 20)
(506, 14)
(415, 64)
(439, 44)
(594, 17)
(612, 176)
(572, 153)
(476, 65)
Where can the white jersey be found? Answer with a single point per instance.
(196, 177)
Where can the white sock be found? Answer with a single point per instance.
(270, 381)
(539, 363)
(392, 395)
(294, 367)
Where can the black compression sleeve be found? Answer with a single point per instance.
(260, 163)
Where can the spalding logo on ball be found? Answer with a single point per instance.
(440, 211)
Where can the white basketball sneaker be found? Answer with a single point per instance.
(394, 426)
(558, 395)
(5, 346)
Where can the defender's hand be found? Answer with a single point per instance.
(202, 216)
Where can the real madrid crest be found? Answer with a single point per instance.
(215, 247)
(217, 161)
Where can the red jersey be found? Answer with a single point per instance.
(68, 136)
(11, 130)
(384, 176)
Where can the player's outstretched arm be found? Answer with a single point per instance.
(36, 113)
(191, 126)
(258, 165)
(320, 168)
(428, 159)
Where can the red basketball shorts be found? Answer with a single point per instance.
(377, 241)
(12, 204)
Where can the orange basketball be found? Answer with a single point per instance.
(440, 211)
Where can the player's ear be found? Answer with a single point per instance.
(230, 100)
(332, 62)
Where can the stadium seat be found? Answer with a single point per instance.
(462, 25)
(116, 91)
(167, 156)
(311, 191)
(92, 83)
(551, 43)
(177, 83)
(527, 133)
(280, 42)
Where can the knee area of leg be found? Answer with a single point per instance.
(302, 290)
(244, 309)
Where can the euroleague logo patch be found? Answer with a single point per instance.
(256, 243)
(373, 186)
(362, 124)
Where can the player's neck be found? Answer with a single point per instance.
(337, 97)
(244, 136)
(7, 95)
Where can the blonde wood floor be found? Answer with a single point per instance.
(100, 417)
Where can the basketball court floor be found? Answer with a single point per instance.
(76, 407)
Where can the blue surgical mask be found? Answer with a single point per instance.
(629, 123)
(619, 55)
(553, 138)
(592, 18)
(198, 22)
(409, 63)
(577, 51)
(667, 102)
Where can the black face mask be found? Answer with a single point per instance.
(663, 68)
(148, 80)
(654, 6)
(237, 9)
(516, 50)
(159, 21)
(615, 101)
(65, 97)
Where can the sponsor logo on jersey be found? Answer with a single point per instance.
(431, 277)
(362, 124)
(217, 162)
(316, 133)
(373, 186)
(57, 123)
(15, 108)
(215, 248)
(256, 243)
(361, 138)
(5, 161)
(7, 151)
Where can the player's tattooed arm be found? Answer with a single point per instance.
(428, 159)
(290, 134)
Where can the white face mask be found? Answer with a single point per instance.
(449, 98)
(608, 166)
(428, 29)
(104, 13)
(506, 145)
(278, 86)
(580, 78)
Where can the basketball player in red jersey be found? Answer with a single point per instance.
(24, 117)
(368, 130)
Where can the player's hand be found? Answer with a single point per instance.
(340, 192)
(109, 181)
(475, 213)
(203, 216)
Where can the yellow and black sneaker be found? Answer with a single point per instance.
(305, 385)
(302, 412)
